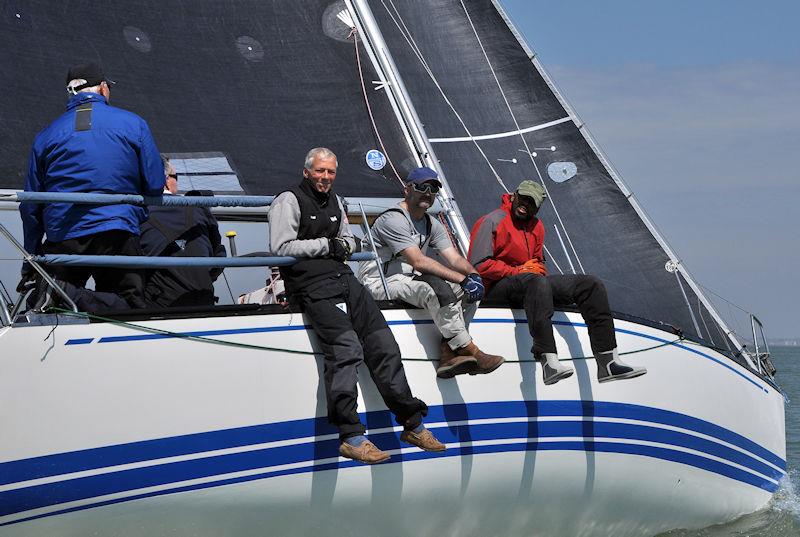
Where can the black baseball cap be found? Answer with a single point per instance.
(91, 72)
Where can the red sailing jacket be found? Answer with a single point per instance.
(499, 245)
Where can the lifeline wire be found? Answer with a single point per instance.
(213, 341)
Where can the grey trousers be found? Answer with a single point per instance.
(443, 300)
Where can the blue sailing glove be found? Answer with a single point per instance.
(473, 288)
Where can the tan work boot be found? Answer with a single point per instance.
(486, 362)
(367, 452)
(452, 363)
(424, 440)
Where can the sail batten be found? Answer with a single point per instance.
(507, 134)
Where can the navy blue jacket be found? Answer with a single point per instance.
(115, 155)
(181, 232)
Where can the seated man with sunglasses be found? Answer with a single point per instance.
(403, 235)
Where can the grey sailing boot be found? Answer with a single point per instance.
(552, 369)
(610, 367)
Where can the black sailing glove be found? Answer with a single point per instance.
(28, 278)
(339, 249)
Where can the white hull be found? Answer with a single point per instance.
(699, 440)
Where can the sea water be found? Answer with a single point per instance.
(782, 517)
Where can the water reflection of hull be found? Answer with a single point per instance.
(120, 430)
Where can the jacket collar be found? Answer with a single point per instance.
(321, 197)
(82, 98)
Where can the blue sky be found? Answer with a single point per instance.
(697, 105)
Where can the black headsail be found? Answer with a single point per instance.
(493, 119)
(238, 90)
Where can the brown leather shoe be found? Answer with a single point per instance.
(486, 362)
(367, 452)
(424, 440)
(452, 364)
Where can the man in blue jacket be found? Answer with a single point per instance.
(92, 147)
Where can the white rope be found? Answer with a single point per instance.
(516, 124)
(411, 43)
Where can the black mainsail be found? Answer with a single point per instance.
(256, 82)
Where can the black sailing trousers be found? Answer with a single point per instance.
(352, 330)
(127, 283)
(540, 294)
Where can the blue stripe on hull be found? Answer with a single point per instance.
(76, 461)
(38, 496)
(121, 481)
(586, 446)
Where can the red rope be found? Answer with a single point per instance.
(353, 34)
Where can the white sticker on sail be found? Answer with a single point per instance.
(375, 159)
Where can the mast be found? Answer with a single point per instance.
(367, 24)
(674, 260)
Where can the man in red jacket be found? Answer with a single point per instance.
(506, 248)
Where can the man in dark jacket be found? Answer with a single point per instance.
(92, 147)
(181, 232)
(506, 248)
(308, 221)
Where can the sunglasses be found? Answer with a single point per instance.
(173, 176)
(425, 188)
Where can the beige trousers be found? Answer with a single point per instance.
(452, 320)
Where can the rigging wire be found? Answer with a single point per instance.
(742, 334)
(415, 49)
(214, 341)
(522, 137)
(354, 35)
(6, 294)
(228, 285)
